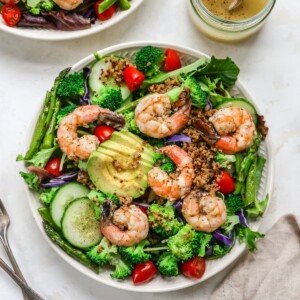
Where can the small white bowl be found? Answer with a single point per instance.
(57, 35)
(158, 284)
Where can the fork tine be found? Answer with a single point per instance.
(2, 208)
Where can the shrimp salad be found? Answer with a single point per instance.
(148, 167)
(66, 15)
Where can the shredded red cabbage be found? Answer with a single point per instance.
(222, 238)
(56, 20)
(178, 138)
(177, 205)
(60, 180)
(242, 218)
(85, 99)
(208, 251)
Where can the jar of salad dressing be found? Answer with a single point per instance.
(213, 18)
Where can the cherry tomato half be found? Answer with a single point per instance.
(106, 15)
(11, 14)
(143, 272)
(172, 61)
(194, 268)
(52, 166)
(226, 183)
(144, 210)
(103, 132)
(133, 78)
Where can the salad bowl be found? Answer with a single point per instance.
(55, 35)
(159, 284)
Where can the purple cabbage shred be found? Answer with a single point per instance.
(85, 99)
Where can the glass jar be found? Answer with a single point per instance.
(225, 30)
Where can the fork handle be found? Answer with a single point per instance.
(13, 262)
(26, 288)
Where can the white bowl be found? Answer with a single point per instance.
(57, 35)
(158, 284)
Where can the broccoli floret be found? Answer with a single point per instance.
(64, 112)
(72, 86)
(47, 195)
(149, 60)
(167, 265)
(109, 97)
(122, 268)
(162, 220)
(131, 123)
(204, 239)
(199, 97)
(102, 253)
(231, 221)
(135, 254)
(165, 162)
(234, 203)
(218, 251)
(36, 6)
(185, 243)
(225, 160)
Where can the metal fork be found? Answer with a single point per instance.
(4, 223)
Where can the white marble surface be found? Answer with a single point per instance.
(269, 64)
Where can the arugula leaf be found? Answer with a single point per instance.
(225, 69)
(41, 158)
(249, 237)
(47, 195)
(31, 179)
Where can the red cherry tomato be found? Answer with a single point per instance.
(106, 15)
(172, 61)
(144, 210)
(226, 183)
(103, 132)
(133, 78)
(11, 14)
(194, 268)
(143, 272)
(52, 166)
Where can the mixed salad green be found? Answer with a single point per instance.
(79, 195)
(64, 15)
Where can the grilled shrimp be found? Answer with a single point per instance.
(235, 127)
(173, 188)
(152, 115)
(68, 4)
(126, 226)
(67, 137)
(203, 212)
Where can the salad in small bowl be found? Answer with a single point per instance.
(62, 19)
(151, 165)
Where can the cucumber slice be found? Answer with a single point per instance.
(95, 83)
(63, 197)
(242, 103)
(79, 225)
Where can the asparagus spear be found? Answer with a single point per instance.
(124, 4)
(45, 117)
(50, 133)
(75, 253)
(104, 5)
(40, 129)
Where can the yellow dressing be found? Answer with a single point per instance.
(247, 9)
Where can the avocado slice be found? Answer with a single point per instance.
(121, 164)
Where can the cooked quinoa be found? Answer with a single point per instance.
(115, 70)
(84, 178)
(207, 170)
(162, 88)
